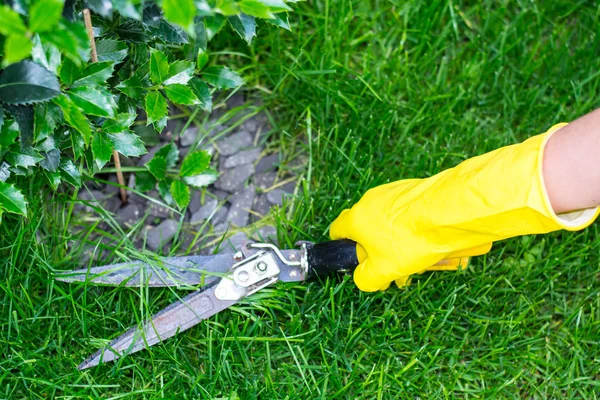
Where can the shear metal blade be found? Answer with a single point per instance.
(174, 319)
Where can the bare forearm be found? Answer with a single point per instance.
(572, 165)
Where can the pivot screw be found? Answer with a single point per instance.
(221, 292)
(293, 273)
(261, 266)
(243, 276)
(238, 256)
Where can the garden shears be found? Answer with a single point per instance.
(221, 281)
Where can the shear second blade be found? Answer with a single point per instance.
(176, 318)
(174, 271)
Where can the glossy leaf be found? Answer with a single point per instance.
(155, 106)
(94, 100)
(44, 15)
(111, 50)
(4, 172)
(16, 48)
(24, 160)
(51, 160)
(69, 71)
(67, 41)
(11, 199)
(45, 54)
(179, 72)
(120, 123)
(10, 22)
(159, 67)
(276, 5)
(127, 9)
(95, 74)
(1, 116)
(102, 148)
(144, 181)
(134, 87)
(157, 167)
(180, 12)
(102, 7)
(170, 153)
(202, 59)
(46, 117)
(213, 25)
(169, 33)
(195, 163)
(202, 180)
(128, 144)
(181, 94)
(244, 25)
(200, 89)
(9, 133)
(181, 193)
(26, 83)
(222, 77)
(24, 115)
(256, 9)
(70, 173)
(164, 190)
(161, 124)
(281, 20)
(227, 7)
(74, 117)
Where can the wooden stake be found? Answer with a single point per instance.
(88, 25)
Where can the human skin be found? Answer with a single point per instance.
(571, 165)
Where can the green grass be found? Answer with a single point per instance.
(370, 92)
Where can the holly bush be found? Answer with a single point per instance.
(62, 114)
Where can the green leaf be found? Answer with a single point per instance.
(11, 198)
(179, 72)
(95, 74)
(102, 7)
(1, 117)
(24, 115)
(53, 179)
(46, 117)
(16, 48)
(127, 9)
(157, 167)
(45, 54)
(163, 189)
(128, 144)
(67, 38)
(134, 87)
(170, 153)
(10, 22)
(120, 123)
(213, 25)
(111, 50)
(181, 94)
(44, 15)
(70, 173)
(24, 160)
(200, 89)
(181, 193)
(8, 133)
(69, 71)
(195, 163)
(256, 9)
(161, 124)
(155, 106)
(26, 83)
(102, 148)
(74, 117)
(78, 146)
(202, 59)
(169, 33)
(4, 172)
(144, 181)
(94, 100)
(244, 25)
(201, 35)
(222, 77)
(202, 180)
(227, 7)
(281, 20)
(180, 12)
(159, 67)
(51, 160)
(276, 5)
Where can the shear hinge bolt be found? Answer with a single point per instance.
(238, 256)
(221, 292)
(243, 276)
(261, 266)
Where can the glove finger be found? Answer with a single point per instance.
(450, 264)
(472, 251)
(372, 279)
(403, 281)
(340, 228)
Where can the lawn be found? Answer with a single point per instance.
(370, 92)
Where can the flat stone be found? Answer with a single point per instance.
(189, 136)
(220, 216)
(233, 143)
(221, 228)
(240, 207)
(233, 243)
(288, 187)
(112, 189)
(195, 202)
(265, 234)
(264, 180)
(232, 180)
(261, 205)
(220, 194)
(268, 163)
(133, 197)
(236, 100)
(129, 214)
(276, 196)
(241, 158)
(162, 234)
(210, 205)
(93, 198)
(156, 210)
(148, 156)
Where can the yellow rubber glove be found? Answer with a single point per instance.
(406, 227)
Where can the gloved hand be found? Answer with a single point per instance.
(406, 227)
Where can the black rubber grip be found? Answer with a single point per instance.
(330, 257)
